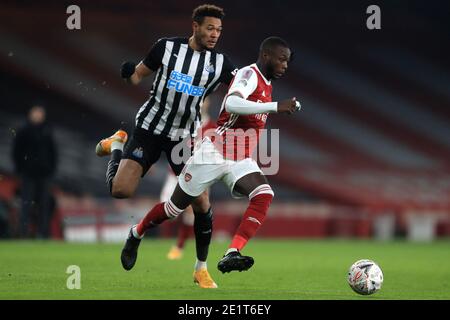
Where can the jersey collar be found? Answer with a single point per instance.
(256, 67)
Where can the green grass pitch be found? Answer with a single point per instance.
(284, 269)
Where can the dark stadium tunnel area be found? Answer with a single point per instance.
(19, 94)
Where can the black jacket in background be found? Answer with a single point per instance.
(34, 151)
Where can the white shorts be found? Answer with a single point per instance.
(207, 166)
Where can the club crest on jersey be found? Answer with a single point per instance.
(138, 152)
(247, 74)
(187, 177)
(210, 67)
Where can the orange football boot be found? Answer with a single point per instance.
(103, 148)
(203, 279)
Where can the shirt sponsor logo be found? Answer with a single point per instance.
(183, 83)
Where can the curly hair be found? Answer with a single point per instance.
(207, 10)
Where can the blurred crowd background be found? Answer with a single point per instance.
(368, 156)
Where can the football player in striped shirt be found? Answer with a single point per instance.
(187, 71)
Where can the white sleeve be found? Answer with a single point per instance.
(238, 105)
(245, 82)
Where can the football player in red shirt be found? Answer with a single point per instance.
(219, 157)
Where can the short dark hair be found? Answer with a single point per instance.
(207, 10)
(271, 43)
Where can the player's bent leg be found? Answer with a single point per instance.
(202, 230)
(157, 215)
(199, 173)
(260, 194)
(201, 203)
(127, 179)
(203, 226)
(181, 199)
(248, 183)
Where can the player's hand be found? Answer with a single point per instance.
(288, 106)
(127, 69)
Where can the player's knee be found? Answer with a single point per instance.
(261, 189)
(262, 197)
(201, 204)
(171, 210)
(121, 191)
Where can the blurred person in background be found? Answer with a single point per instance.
(35, 160)
(184, 223)
(5, 209)
(187, 71)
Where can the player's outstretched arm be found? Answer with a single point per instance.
(134, 74)
(234, 103)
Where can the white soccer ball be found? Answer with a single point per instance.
(365, 277)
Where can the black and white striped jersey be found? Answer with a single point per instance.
(184, 77)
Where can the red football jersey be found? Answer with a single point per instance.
(207, 124)
(240, 133)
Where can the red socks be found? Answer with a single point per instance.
(253, 218)
(153, 218)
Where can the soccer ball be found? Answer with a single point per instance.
(365, 277)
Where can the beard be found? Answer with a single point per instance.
(270, 72)
(200, 40)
